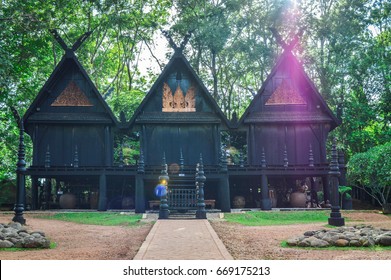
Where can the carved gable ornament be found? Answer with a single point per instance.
(178, 102)
(72, 96)
(285, 95)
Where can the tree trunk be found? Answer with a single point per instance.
(386, 208)
(214, 74)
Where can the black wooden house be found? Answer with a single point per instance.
(179, 120)
(73, 129)
(287, 125)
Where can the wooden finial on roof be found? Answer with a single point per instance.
(173, 44)
(75, 46)
(16, 115)
(59, 39)
(81, 40)
(287, 46)
(185, 40)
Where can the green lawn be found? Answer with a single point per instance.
(13, 249)
(376, 248)
(96, 218)
(271, 218)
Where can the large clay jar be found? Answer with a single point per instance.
(273, 197)
(298, 199)
(239, 201)
(68, 201)
(94, 198)
(127, 202)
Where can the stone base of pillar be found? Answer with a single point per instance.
(164, 214)
(19, 219)
(266, 204)
(201, 214)
(336, 217)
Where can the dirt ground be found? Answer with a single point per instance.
(81, 242)
(89, 242)
(252, 243)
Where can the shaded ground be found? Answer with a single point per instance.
(264, 242)
(89, 242)
(81, 242)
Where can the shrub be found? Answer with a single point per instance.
(371, 171)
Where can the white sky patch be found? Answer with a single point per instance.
(160, 48)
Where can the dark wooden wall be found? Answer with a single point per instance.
(193, 139)
(296, 137)
(94, 145)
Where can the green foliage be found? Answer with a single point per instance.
(344, 191)
(278, 218)
(320, 195)
(371, 171)
(345, 49)
(376, 248)
(7, 192)
(53, 245)
(93, 218)
(29, 53)
(126, 103)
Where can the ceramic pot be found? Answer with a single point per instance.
(94, 198)
(239, 201)
(68, 201)
(298, 199)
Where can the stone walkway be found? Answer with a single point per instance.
(182, 240)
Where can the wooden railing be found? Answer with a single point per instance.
(182, 199)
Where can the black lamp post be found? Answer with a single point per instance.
(335, 215)
(20, 180)
(200, 178)
(163, 180)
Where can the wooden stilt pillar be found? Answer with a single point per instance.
(140, 196)
(139, 192)
(34, 193)
(224, 191)
(224, 194)
(102, 205)
(266, 203)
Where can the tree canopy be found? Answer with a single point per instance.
(345, 47)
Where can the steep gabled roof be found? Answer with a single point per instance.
(285, 94)
(64, 99)
(215, 116)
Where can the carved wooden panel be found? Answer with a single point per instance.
(178, 102)
(179, 99)
(72, 96)
(285, 95)
(168, 99)
(190, 97)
